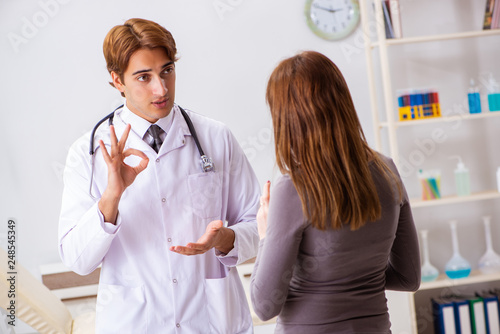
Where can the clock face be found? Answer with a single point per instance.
(332, 19)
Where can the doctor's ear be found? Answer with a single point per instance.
(117, 82)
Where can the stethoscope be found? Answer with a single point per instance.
(207, 164)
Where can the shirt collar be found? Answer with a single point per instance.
(140, 126)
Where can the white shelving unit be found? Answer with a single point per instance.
(443, 119)
(474, 278)
(415, 203)
(413, 317)
(383, 44)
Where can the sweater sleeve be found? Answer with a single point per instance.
(277, 251)
(403, 269)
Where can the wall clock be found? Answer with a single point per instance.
(332, 19)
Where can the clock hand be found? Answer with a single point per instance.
(326, 9)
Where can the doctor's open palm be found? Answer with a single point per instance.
(120, 175)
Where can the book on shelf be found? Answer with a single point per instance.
(395, 11)
(491, 14)
(495, 24)
(392, 18)
(389, 33)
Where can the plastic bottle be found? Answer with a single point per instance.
(493, 94)
(474, 98)
(462, 178)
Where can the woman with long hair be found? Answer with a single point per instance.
(337, 230)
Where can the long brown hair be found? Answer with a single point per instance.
(319, 142)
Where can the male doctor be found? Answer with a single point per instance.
(150, 204)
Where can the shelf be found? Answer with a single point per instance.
(443, 281)
(487, 114)
(442, 37)
(411, 309)
(417, 203)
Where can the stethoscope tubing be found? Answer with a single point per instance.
(206, 163)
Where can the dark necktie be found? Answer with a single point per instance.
(155, 131)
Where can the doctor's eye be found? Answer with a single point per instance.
(143, 77)
(169, 70)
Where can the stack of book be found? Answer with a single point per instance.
(467, 314)
(392, 18)
(492, 15)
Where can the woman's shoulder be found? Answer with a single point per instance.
(284, 185)
(285, 204)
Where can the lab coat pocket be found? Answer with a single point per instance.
(205, 190)
(121, 309)
(227, 306)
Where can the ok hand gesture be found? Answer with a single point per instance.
(120, 175)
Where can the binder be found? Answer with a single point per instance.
(491, 315)
(462, 316)
(477, 316)
(444, 316)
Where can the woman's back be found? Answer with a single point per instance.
(333, 281)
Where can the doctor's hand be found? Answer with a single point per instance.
(120, 175)
(216, 235)
(264, 208)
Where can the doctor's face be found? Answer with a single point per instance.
(148, 84)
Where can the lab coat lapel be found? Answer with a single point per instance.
(176, 135)
(133, 140)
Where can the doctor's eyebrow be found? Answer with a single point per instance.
(149, 70)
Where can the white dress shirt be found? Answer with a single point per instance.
(144, 287)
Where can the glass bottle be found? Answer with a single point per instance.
(429, 272)
(457, 266)
(490, 261)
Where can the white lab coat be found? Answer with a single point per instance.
(144, 287)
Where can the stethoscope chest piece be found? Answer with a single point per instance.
(207, 164)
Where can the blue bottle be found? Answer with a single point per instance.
(474, 98)
(493, 94)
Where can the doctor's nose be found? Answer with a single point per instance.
(158, 86)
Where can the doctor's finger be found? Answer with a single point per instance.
(136, 152)
(199, 247)
(185, 250)
(104, 151)
(123, 139)
(142, 164)
(114, 140)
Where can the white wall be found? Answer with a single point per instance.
(54, 88)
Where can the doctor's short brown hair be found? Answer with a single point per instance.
(123, 40)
